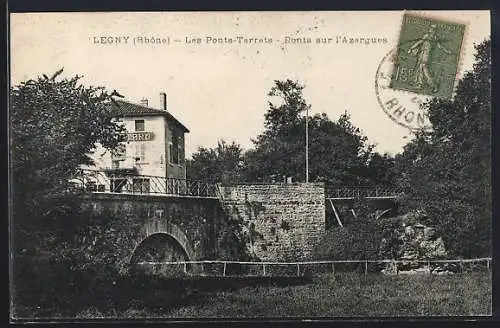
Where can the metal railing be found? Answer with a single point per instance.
(129, 183)
(115, 181)
(296, 269)
(362, 192)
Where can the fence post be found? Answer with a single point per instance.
(429, 266)
(366, 269)
(298, 270)
(185, 267)
(224, 273)
(264, 267)
(488, 264)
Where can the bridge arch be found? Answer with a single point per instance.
(156, 227)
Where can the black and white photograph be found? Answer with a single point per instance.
(250, 165)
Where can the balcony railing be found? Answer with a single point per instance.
(112, 181)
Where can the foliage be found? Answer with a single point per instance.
(363, 237)
(446, 172)
(222, 163)
(382, 170)
(68, 268)
(367, 237)
(339, 153)
(358, 241)
(55, 126)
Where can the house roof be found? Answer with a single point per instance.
(127, 109)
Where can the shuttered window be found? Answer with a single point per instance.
(175, 148)
(140, 152)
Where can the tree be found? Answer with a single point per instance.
(382, 170)
(220, 164)
(338, 152)
(446, 171)
(278, 150)
(55, 125)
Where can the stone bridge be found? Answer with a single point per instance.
(277, 222)
(162, 228)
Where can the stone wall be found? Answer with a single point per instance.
(200, 220)
(281, 222)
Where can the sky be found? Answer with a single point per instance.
(219, 90)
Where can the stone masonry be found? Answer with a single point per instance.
(282, 222)
(279, 222)
(193, 222)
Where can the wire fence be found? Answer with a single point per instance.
(221, 268)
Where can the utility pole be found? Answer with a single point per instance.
(307, 144)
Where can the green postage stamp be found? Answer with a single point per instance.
(427, 56)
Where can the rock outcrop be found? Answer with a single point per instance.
(418, 246)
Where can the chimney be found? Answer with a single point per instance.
(163, 101)
(144, 102)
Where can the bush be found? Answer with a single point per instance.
(335, 244)
(60, 270)
(364, 238)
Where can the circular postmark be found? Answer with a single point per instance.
(403, 107)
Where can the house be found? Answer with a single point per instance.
(154, 150)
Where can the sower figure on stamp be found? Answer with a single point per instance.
(422, 50)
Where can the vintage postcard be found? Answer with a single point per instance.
(249, 165)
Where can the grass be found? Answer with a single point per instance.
(350, 296)
(345, 295)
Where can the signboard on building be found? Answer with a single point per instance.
(140, 136)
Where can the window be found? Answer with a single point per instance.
(179, 150)
(175, 149)
(141, 185)
(140, 152)
(139, 126)
(172, 153)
